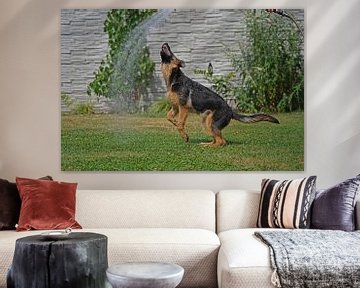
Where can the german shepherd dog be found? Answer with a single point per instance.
(185, 94)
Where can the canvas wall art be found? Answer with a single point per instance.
(182, 90)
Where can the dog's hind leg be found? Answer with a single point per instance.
(221, 119)
(172, 114)
(215, 124)
(217, 141)
(207, 123)
(183, 113)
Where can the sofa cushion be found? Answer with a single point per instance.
(286, 204)
(196, 250)
(236, 209)
(334, 208)
(244, 260)
(46, 204)
(153, 209)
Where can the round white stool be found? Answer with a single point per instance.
(145, 275)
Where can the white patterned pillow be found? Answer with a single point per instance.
(286, 204)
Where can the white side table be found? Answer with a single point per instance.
(145, 275)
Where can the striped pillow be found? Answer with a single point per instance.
(286, 204)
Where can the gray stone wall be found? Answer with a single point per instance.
(195, 36)
(83, 45)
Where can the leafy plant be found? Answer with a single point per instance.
(118, 24)
(67, 100)
(78, 108)
(84, 108)
(159, 107)
(269, 70)
(222, 84)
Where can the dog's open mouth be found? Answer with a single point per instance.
(165, 49)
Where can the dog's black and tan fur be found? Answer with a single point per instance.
(185, 94)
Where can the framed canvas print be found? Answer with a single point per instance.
(182, 90)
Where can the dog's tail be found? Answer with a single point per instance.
(255, 118)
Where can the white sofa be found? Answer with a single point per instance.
(177, 226)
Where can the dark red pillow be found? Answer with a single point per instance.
(46, 204)
(10, 204)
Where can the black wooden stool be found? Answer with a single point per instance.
(78, 261)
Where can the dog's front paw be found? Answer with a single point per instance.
(186, 138)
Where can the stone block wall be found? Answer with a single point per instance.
(83, 45)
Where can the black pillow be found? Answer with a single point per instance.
(10, 204)
(334, 208)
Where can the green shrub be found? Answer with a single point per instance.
(67, 100)
(118, 24)
(131, 77)
(77, 108)
(84, 108)
(159, 107)
(269, 70)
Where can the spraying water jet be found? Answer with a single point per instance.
(133, 68)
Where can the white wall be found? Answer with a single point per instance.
(30, 94)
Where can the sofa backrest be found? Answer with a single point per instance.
(239, 209)
(146, 209)
(236, 209)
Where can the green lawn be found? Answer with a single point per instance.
(137, 143)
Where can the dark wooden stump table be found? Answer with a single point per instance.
(79, 261)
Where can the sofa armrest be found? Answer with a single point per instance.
(357, 215)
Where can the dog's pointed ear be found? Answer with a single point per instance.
(182, 63)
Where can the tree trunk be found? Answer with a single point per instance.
(79, 261)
